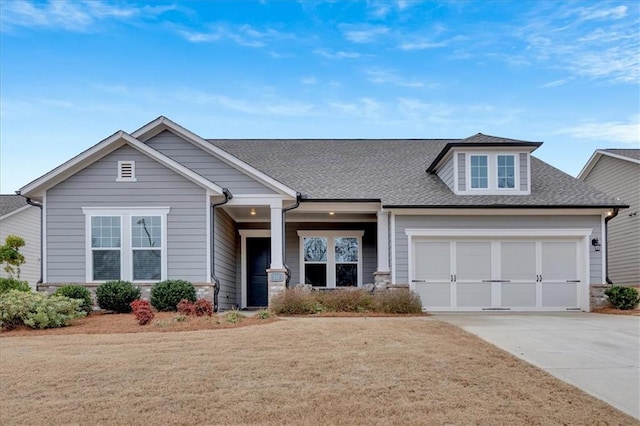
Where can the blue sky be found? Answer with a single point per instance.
(73, 73)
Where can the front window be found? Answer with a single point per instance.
(126, 244)
(105, 248)
(506, 171)
(331, 258)
(479, 172)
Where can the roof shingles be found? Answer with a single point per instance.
(393, 171)
(9, 203)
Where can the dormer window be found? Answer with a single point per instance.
(491, 172)
(126, 171)
(506, 172)
(479, 172)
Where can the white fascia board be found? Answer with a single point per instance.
(594, 160)
(456, 232)
(16, 211)
(324, 207)
(70, 167)
(163, 123)
(596, 211)
(173, 165)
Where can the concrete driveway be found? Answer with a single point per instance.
(597, 353)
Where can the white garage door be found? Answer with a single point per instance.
(486, 274)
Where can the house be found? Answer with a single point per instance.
(21, 219)
(617, 172)
(470, 224)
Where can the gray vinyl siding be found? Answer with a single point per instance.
(96, 186)
(369, 257)
(206, 164)
(25, 224)
(621, 179)
(487, 222)
(524, 182)
(462, 172)
(446, 173)
(226, 259)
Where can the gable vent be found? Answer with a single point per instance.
(126, 171)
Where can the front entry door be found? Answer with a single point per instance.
(258, 261)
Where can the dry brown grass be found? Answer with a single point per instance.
(293, 371)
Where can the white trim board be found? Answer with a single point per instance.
(560, 232)
(244, 234)
(595, 157)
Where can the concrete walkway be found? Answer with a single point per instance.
(597, 353)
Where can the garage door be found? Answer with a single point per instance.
(488, 274)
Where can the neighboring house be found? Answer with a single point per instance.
(470, 224)
(19, 218)
(617, 172)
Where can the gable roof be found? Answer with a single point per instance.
(162, 124)
(632, 155)
(393, 171)
(103, 148)
(11, 203)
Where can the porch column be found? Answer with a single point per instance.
(276, 273)
(382, 276)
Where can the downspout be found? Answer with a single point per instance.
(212, 243)
(284, 235)
(38, 205)
(606, 242)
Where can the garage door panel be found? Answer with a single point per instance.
(434, 295)
(561, 295)
(559, 260)
(518, 260)
(433, 260)
(473, 295)
(519, 295)
(473, 260)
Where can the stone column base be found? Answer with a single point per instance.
(381, 279)
(277, 282)
(597, 298)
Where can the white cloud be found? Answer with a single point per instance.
(367, 108)
(381, 76)
(609, 131)
(309, 80)
(422, 43)
(243, 35)
(80, 16)
(337, 55)
(363, 33)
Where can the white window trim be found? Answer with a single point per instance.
(126, 249)
(133, 172)
(492, 164)
(331, 263)
(469, 176)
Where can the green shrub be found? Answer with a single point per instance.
(295, 301)
(624, 298)
(36, 310)
(263, 314)
(398, 301)
(7, 284)
(117, 296)
(233, 316)
(74, 291)
(166, 295)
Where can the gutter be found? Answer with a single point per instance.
(38, 205)
(606, 242)
(284, 235)
(212, 243)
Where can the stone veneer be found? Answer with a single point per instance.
(597, 298)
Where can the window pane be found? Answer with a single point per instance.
(506, 171)
(106, 265)
(346, 249)
(146, 264)
(479, 172)
(146, 231)
(105, 231)
(315, 274)
(346, 275)
(315, 249)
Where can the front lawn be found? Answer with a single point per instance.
(293, 371)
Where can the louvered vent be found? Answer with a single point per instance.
(126, 171)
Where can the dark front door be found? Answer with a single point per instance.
(258, 261)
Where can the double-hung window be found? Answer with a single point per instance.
(479, 171)
(331, 258)
(126, 244)
(506, 171)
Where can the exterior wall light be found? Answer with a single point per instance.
(596, 244)
(252, 212)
